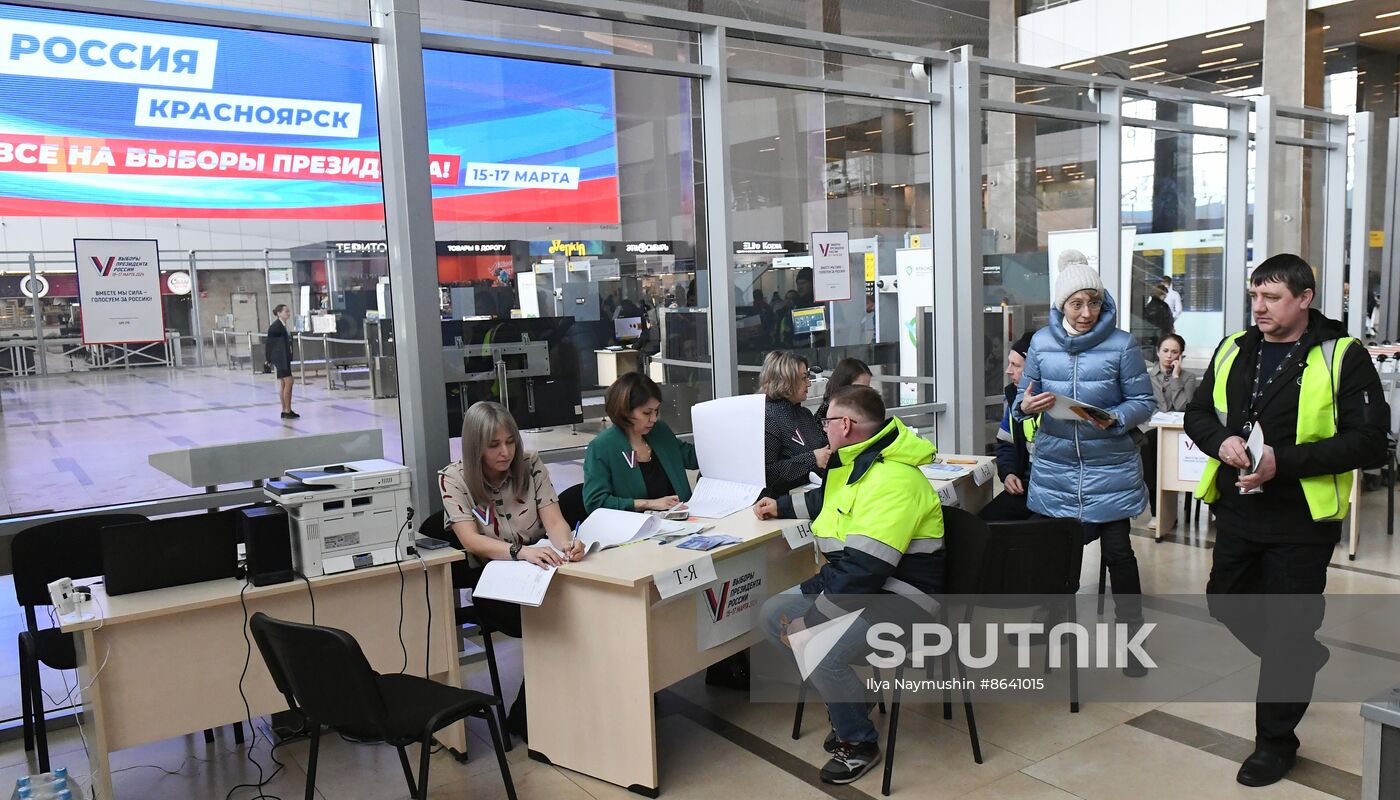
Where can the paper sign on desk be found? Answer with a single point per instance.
(984, 472)
(1190, 461)
(798, 535)
(690, 575)
(517, 582)
(948, 494)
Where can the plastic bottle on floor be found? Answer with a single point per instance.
(44, 786)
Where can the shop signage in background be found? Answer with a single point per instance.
(489, 248)
(568, 248)
(831, 265)
(274, 126)
(179, 283)
(766, 247)
(119, 290)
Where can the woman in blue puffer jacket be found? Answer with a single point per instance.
(1085, 470)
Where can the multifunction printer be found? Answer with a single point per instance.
(345, 516)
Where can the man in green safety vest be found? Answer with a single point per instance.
(1317, 400)
(1014, 446)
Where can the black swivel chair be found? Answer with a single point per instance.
(66, 548)
(324, 674)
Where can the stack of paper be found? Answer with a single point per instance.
(942, 472)
(1168, 417)
(517, 582)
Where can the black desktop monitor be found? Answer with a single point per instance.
(173, 551)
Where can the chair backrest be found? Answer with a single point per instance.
(324, 671)
(1039, 556)
(432, 525)
(571, 505)
(65, 548)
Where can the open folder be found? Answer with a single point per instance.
(517, 582)
(607, 527)
(1074, 410)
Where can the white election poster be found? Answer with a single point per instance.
(1190, 461)
(729, 607)
(831, 265)
(119, 290)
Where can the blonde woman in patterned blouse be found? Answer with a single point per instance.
(499, 503)
(498, 499)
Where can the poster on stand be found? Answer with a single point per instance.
(831, 265)
(119, 291)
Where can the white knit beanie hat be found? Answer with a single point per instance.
(1075, 278)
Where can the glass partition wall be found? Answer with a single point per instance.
(633, 177)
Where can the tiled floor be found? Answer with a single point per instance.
(715, 743)
(82, 439)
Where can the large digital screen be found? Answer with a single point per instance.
(114, 117)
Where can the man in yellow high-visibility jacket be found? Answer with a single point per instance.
(1318, 402)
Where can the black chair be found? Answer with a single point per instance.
(323, 673)
(66, 548)
(571, 505)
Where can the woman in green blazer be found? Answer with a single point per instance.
(638, 464)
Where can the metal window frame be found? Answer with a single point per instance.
(1355, 310)
(1390, 297)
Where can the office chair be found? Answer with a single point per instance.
(571, 505)
(324, 674)
(66, 548)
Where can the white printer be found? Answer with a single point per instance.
(345, 516)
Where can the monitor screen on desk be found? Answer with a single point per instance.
(808, 320)
(627, 329)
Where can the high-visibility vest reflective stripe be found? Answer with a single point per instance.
(1328, 496)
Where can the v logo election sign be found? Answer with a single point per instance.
(718, 600)
(104, 269)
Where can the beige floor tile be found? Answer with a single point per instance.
(685, 747)
(922, 741)
(1034, 731)
(1129, 763)
(1018, 786)
(1330, 733)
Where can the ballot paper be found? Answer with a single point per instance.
(716, 498)
(729, 446)
(942, 472)
(1074, 410)
(518, 582)
(1254, 447)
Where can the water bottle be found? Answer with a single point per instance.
(45, 786)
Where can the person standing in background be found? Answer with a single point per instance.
(1172, 388)
(277, 349)
(1173, 298)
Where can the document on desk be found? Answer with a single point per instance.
(716, 498)
(517, 582)
(1168, 418)
(608, 527)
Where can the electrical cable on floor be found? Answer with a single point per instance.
(248, 713)
(398, 562)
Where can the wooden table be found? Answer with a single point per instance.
(603, 642)
(1172, 441)
(165, 663)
